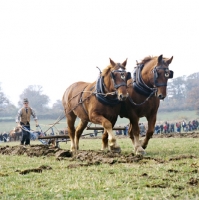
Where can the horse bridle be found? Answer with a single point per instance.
(168, 74)
(122, 71)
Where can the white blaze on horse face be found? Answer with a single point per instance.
(122, 73)
(122, 77)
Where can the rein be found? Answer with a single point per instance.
(139, 104)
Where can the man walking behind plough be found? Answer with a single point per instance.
(23, 121)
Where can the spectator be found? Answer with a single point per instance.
(172, 127)
(126, 128)
(157, 129)
(161, 128)
(168, 127)
(178, 126)
(5, 136)
(184, 125)
(190, 126)
(142, 129)
(1, 137)
(165, 127)
(95, 133)
(197, 124)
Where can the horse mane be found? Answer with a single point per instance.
(147, 59)
(110, 68)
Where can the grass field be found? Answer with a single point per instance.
(172, 173)
(161, 117)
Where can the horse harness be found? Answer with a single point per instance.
(142, 88)
(101, 94)
(101, 89)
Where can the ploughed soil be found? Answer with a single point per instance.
(89, 157)
(85, 157)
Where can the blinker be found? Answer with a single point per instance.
(128, 76)
(171, 74)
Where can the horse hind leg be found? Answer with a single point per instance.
(71, 130)
(80, 128)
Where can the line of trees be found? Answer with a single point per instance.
(182, 94)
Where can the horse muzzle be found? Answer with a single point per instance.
(123, 97)
(160, 96)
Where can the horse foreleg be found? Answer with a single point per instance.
(98, 119)
(134, 133)
(80, 128)
(104, 140)
(149, 133)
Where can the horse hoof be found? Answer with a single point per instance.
(142, 153)
(104, 147)
(115, 149)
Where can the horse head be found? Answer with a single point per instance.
(156, 73)
(115, 79)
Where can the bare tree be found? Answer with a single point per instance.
(37, 100)
(3, 99)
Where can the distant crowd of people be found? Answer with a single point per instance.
(166, 127)
(124, 131)
(4, 137)
(177, 127)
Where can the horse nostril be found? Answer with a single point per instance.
(160, 96)
(122, 97)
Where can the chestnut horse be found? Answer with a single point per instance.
(98, 102)
(15, 134)
(147, 88)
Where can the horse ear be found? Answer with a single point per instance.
(169, 60)
(112, 62)
(160, 59)
(124, 63)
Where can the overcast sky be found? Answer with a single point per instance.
(56, 43)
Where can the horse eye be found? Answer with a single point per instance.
(122, 76)
(167, 75)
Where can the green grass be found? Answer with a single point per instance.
(147, 179)
(177, 116)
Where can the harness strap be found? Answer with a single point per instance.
(102, 97)
(82, 101)
(139, 85)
